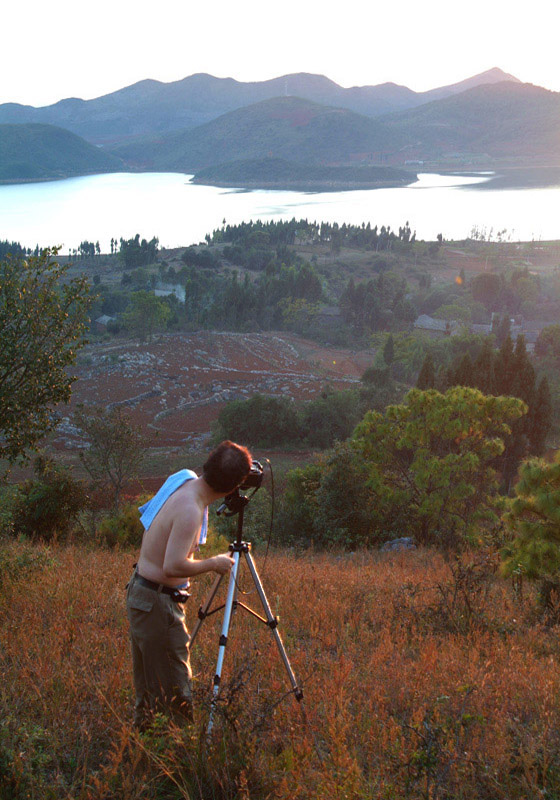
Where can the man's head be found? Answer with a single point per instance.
(226, 467)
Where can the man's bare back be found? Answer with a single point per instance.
(168, 546)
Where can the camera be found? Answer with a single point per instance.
(254, 478)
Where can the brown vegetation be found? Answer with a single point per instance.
(423, 678)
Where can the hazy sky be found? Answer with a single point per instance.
(63, 48)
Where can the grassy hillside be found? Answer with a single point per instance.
(267, 173)
(423, 678)
(44, 152)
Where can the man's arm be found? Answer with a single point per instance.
(182, 538)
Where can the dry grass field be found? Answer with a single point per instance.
(423, 678)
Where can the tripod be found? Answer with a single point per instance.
(235, 503)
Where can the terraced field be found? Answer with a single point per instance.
(176, 384)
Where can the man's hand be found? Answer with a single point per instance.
(223, 563)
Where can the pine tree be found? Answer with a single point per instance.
(464, 373)
(503, 367)
(430, 458)
(443, 380)
(501, 328)
(523, 373)
(347, 301)
(389, 351)
(540, 418)
(427, 374)
(534, 519)
(484, 374)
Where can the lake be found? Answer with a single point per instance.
(166, 205)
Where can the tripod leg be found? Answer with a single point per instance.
(272, 624)
(223, 637)
(203, 610)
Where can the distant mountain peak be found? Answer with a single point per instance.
(496, 74)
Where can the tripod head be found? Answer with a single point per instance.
(234, 502)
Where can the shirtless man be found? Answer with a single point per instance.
(156, 593)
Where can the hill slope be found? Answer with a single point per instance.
(285, 127)
(45, 152)
(507, 119)
(150, 107)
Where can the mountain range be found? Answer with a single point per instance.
(472, 124)
(481, 125)
(150, 107)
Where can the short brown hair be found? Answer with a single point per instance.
(227, 466)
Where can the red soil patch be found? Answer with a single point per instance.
(175, 386)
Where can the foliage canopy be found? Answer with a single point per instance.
(430, 459)
(43, 319)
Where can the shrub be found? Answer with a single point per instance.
(328, 503)
(330, 418)
(122, 529)
(48, 505)
(299, 504)
(262, 421)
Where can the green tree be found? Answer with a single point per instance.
(484, 368)
(345, 508)
(488, 288)
(501, 328)
(114, 448)
(548, 342)
(136, 253)
(430, 460)
(330, 418)
(145, 314)
(378, 389)
(389, 351)
(504, 367)
(298, 314)
(43, 317)
(427, 374)
(464, 374)
(48, 505)
(261, 420)
(534, 521)
(523, 378)
(517, 380)
(540, 418)
(299, 507)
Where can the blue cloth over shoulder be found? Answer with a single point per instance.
(149, 510)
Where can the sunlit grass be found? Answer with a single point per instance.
(418, 683)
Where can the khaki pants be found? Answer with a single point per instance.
(160, 656)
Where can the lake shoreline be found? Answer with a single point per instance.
(313, 187)
(168, 205)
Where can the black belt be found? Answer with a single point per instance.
(179, 595)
